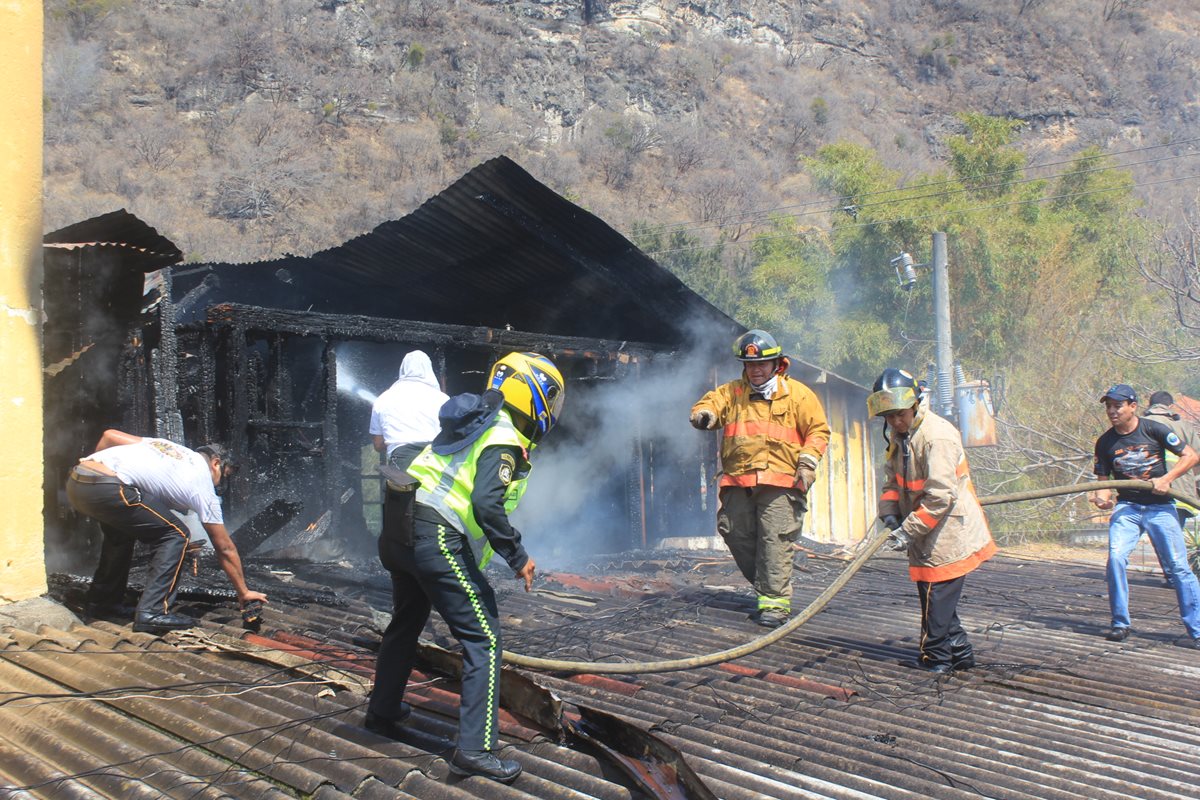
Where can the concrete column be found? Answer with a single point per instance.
(941, 311)
(22, 555)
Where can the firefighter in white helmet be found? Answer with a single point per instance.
(773, 435)
(929, 505)
(470, 478)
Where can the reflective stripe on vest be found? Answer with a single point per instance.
(447, 482)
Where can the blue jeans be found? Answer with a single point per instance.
(1161, 523)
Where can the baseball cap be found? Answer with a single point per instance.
(1122, 391)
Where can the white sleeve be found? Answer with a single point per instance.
(208, 505)
(376, 427)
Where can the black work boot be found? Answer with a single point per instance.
(390, 727)
(962, 655)
(161, 623)
(771, 617)
(109, 610)
(485, 764)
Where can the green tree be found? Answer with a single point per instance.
(982, 158)
(702, 267)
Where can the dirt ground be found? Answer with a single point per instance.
(1142, 557)
(1055, 551)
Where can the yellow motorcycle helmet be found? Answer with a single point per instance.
(533, 390)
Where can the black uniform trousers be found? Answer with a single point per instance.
(943, 640)
(127, 515)
(438, 570)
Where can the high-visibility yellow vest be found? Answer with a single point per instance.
(446, 482)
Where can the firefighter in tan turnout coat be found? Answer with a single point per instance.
(929, 505)
(774, 433)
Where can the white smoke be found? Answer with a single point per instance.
(579, 501)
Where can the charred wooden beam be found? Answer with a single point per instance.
(256, 530)
(207, 388)
(168, 424)
(379, 329)
(329, 432)
(238, 388)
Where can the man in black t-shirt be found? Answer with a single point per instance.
(1135, 449)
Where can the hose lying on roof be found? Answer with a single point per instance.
(865, 551)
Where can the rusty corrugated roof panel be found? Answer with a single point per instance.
(1053, 711)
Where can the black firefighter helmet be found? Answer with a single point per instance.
(756, 345)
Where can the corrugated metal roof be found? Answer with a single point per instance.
(1054, 710)
(495, 248)
(141, 244)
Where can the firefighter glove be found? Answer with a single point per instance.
(806, 471)
(891, 522)
(898, 540)
(704, 420)
(805, 477)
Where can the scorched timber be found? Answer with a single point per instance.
(346, 326)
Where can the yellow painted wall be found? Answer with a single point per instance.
(22, 558)
(842, 504)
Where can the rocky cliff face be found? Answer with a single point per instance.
(293, 124)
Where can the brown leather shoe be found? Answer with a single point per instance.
(1117, 634)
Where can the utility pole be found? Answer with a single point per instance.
(941, 311)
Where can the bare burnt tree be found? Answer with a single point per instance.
(1173, 267)
(1037, 450)
(1116, 9)
(157, 140)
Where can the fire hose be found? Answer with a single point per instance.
(864, 552)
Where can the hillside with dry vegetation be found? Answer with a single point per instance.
(245, 130)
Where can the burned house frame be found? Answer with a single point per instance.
(277, 359)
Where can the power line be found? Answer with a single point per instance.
(845, 199)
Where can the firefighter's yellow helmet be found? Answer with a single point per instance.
(533, 390)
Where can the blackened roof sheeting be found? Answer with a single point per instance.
(1053, 712)
(495, 248)
(145, 247)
